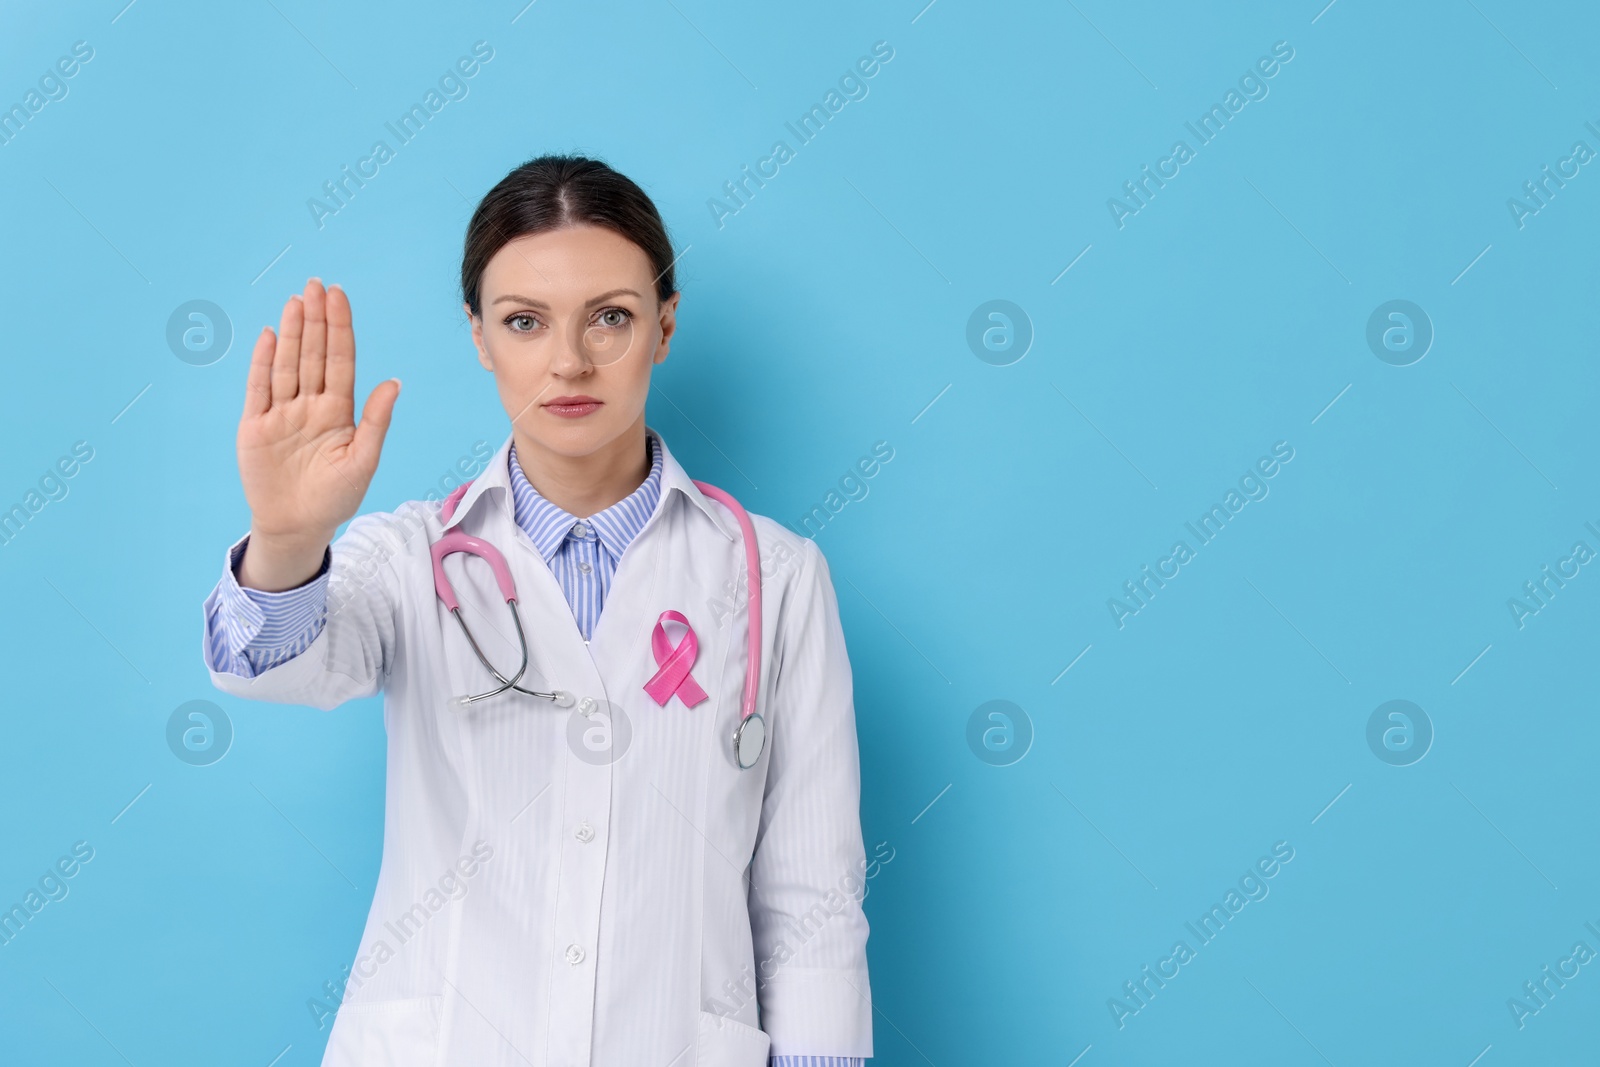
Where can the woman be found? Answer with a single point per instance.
(585, 876)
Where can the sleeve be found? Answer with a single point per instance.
(814, 1061)
(807, 876)
(250, 630)
(350, 641)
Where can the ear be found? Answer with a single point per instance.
(477, 337)
(669, 323)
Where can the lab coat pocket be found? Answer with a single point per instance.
(386, 1033)
(725, 1043)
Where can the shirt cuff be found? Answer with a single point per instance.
(250, 630)
(814, 1061)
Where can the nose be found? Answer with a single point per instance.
(571, 357)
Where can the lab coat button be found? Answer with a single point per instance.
(586, 705)
(584, 833)
(574, 955)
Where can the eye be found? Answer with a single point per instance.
(614, 317)
(521, 316)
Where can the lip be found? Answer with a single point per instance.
(572, 407)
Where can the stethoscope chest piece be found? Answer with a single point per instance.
(749, 737)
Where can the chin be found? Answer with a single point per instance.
(572, 437)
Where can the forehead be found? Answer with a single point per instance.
(570, 259)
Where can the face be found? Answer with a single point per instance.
(571, 329)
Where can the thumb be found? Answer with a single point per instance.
(375, 416)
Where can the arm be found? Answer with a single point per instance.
(249, 630)
(305, 466)
(807, 875)
(331, 640)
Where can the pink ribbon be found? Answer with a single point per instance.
(673, 663)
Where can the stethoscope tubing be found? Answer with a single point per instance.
(458, 541)
(506, 683)
(752, 560)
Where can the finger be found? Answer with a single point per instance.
(340, 377)
(314, 346)
(375, 416)
(258, 386)
(286, 360)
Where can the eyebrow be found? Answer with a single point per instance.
(514, 298)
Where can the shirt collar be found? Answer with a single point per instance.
(495, 482)
(548, 525)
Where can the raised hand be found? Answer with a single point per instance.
(304, 462)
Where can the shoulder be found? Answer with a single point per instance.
(776, 538)
(382, 536)
(793, 568)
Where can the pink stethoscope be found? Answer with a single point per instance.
(672, 661)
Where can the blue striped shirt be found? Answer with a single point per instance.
(249, 630)
(584, 553)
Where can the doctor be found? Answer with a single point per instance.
(597, 882)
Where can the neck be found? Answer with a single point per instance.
(583, 485)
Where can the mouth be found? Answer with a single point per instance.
(572, 407)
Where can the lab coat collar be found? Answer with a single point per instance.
(673, 476)
(495, 482)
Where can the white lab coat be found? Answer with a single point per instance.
(540, 905)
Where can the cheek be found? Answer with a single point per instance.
(627, 384)
(513, 377)
(632, 373)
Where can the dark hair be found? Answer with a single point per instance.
(553, 191)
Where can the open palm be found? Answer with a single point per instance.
(304, 462)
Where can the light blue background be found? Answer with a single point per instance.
(830, 313)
